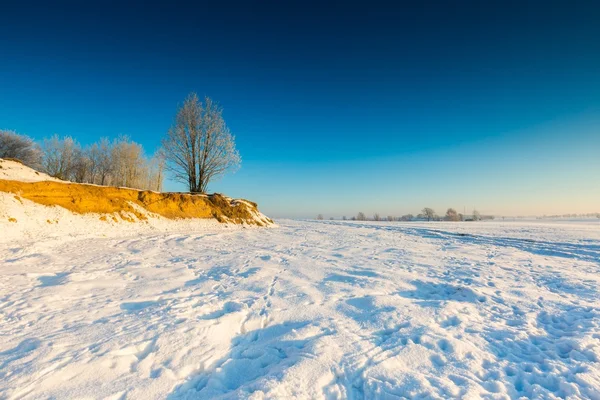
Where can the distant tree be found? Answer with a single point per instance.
(353, 218)
(320, 217)
(476, 215)
(361, 216)
(376, 217)
(331, 218)
(461, 217)
(390, 218)
(407, 217)
(20, 147)
(452, 215)
(199, 146)
(344, 218)
(428, 213)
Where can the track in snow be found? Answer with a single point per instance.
(309, 310)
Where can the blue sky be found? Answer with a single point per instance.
(338, 108)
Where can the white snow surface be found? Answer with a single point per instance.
(13, 170)
(306, 310)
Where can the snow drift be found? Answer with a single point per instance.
(29, 200)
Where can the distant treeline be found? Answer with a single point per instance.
(588, 215)
(427, 214)
(120, 162)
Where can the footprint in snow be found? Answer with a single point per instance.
(137, 305)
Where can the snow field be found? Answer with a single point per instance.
(306, 310)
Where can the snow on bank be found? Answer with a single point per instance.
(309, 310)
(14, 170)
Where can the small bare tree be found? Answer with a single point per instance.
(452, 215)
(361, 216)
(105, 166)
(60, 156)
(80, 168)
(128, 164)
(390, 218)
(428, 213)
(476, 215)
(92, 155)
(158, 167)
(199, 146)
(320, 217)
(20, 147)
(376, 217)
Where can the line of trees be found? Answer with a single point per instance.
(198, 149)
(426, 214)
(120, 162)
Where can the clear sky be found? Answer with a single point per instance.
(336, 108)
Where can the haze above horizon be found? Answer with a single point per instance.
(336, 108)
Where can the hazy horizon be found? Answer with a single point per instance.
(335, 110)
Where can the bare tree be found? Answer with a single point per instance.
(344, 217)
(80, 166)
(320, 217)
(428, 213)
(158, 167)
(100, 162)
(105, 166)
(60, 156)
(476, 215)
(390, 218)
(376, 217)
(93, 155)
(452, 215)
(126, 159)
(20, 147)
(199, 146)
(131, 168)
(361, 216)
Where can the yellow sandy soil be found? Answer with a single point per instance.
(83, 198)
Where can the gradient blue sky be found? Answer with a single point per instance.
(336, 108)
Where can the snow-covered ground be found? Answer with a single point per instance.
(15, 170)
(306, 310)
